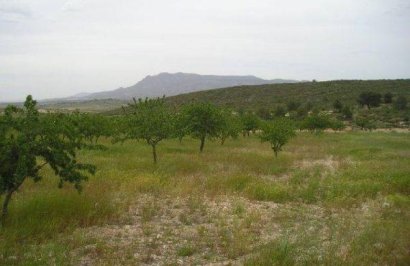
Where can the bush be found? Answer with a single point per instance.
(388, 97)
(316, 123)
(369, 99)
(347, 113)
(401, 103)
(337, 105)
(364, 123)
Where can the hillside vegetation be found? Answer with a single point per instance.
(321, 94)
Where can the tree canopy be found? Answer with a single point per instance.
(149, 120)
(277, 133)
(202, 120)
(369, 99)
(28, 142)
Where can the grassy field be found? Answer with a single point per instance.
(336, 198)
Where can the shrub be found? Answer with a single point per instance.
(401, 103)
(388, 97)
(316, 123)
(369, 99)
(338, 106)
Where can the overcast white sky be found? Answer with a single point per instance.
(53, 48)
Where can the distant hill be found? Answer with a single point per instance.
(321, 94)
(173, 84)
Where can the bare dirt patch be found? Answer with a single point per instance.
(181, 231)
(329, 165)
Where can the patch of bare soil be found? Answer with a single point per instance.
(182, 231)
(328, 165)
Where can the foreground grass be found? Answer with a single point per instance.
(340, 198)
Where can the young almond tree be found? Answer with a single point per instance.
(250, 123)
(202, 120)
(231, 126)
(180, 124)
(277, 133)
(28, 142)
(150, 120)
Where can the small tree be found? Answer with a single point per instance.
(277, 133)
(369, 99)
(149, 120)
(92, 126)
(181, 127)
(250, 123)
(28, 143)
(401, 103)
(231, 126)
(388, 97)
(202, 120)
(337, 106)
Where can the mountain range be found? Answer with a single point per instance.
(170, 84)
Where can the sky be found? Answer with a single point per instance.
(55, 48)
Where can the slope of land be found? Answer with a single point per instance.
(321, 94)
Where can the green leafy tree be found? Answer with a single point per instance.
(149, 120)
(277, 133)
(369, 99)
(250, 123)
(388, 97)
(202, 120)
(181, 127)
(92, 126)
(231, 126)
(29, 142)
(401, 102)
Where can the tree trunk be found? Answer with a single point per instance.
(154, 153)
(5, 207)
(201, 148)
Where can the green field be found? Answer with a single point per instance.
(329, 199)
